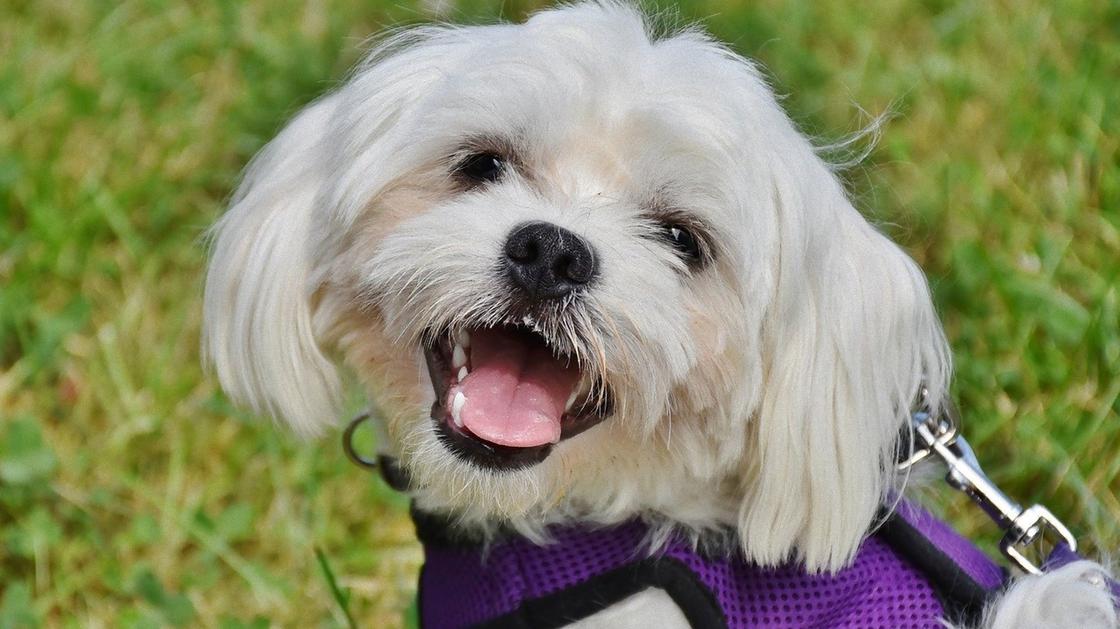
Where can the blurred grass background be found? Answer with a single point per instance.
(133, 495)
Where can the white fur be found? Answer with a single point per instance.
(258, 332)
(651, 607)
(765, 392)
(1072, 597)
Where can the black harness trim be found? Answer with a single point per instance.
(698, 604)
(696, 601)
(961, 596)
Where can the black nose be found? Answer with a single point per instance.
(548, 262)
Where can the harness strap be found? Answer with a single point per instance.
(393, 474)
(1063, 555)
(601, 591)
(963, 577)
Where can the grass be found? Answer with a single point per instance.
(133, 495)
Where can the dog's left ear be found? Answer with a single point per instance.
(850, 339)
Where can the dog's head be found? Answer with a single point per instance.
(585, 272)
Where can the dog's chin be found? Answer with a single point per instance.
(504, 396)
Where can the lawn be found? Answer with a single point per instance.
(133, 494)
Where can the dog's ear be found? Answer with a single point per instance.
(850, 339)
(257, 328)
(272, 250)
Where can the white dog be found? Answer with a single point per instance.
(589, 272)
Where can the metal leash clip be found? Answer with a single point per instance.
(1022, 527)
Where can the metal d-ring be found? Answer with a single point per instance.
(348, 443)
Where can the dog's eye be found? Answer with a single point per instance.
(481, 167)
(683, 241)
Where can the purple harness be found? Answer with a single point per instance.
(913, 571)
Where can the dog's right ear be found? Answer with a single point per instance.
(257, 326)
(296, 204)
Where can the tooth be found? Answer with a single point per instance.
(571, 400)
(458, 357)
(462, 337)
(457, 408)
(462, 373)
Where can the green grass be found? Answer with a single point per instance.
(132, 494)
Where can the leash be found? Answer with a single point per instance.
(1022, 528)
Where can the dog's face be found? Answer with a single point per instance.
(584, 273)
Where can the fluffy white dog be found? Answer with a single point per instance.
(589, 272)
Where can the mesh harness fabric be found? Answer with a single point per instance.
(913, 571)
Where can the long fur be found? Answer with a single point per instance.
(765, 392)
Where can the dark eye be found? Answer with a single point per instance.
(481, 167)
(683, 241)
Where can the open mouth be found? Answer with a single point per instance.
(504, 396)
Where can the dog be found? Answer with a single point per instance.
(590, 272)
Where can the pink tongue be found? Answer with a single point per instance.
(516, 391)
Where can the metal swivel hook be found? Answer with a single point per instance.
(939, 435)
